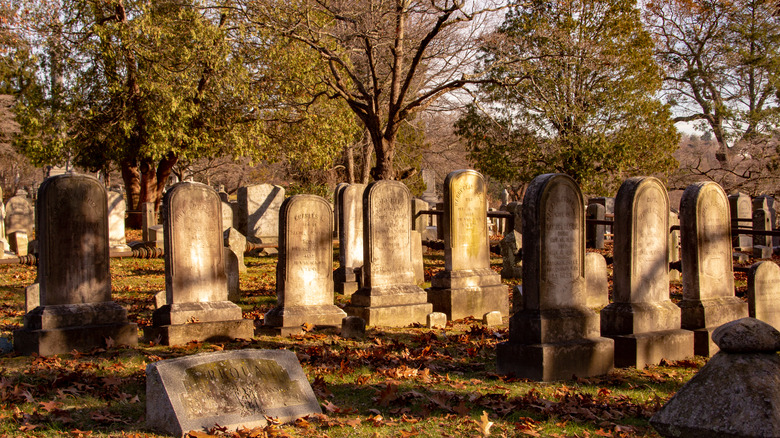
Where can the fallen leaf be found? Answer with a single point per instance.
(484, 424)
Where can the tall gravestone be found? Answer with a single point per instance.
(764, 292)
(75, 310)
(3, 241)
(116, 221)
(708, 277)
(350, 206)
(304, 272)
(389, 295)
(555, 335)
(642, 319)
(467, 286)
(197, 306)
(258, 212)
(336, 220)
(148, 220)
(511, 247)
(741, 216)
(762, 244)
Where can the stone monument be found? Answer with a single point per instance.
(708, 279)
(336, 220)
(197, 306)
(764, 292)
(741, 216)
(555, 335)
(258, 212)
(467, 286)
(350, 206)
(389, 295)
(116, 222)
(642, 319)
(304, 272)
(75, 310)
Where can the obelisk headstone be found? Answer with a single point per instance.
(555, 336)
(75, 310)
(304, 272)
(708, 277)
(467, 286)
(642, 319)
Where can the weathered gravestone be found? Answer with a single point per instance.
(597, 281)
(116, 222)
(389, 295)
(3, 241)
(258, 212)
(233, 389)
(511, 247)
(764, 292)
(767, 202)
(741, 216)
(304, 272)
(642, 319)
(595, 232)
(75, 310)
(708, 279)
(350, 206)
(555, 335)
(236, 242)
(197, 306)
(762, 244)
(429, 195)
(467, 286)
(736, 394)
(19, 219)
(228, 220)
(148, 220)
(336, 213)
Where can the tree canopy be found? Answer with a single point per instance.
(574, 93)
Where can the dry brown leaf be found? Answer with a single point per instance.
(484, 424)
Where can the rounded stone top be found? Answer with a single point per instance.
(747, 335)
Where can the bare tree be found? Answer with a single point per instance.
(388, 59)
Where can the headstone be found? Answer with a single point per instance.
(350, 208)
(492, 319)
(504, 197)
(467, 286)
(597, 281)
(438, 221)
(418, 265)
(389, 296)
(736, 394)
(762, 244)
(195, 282)
(156, 234)
(511, 247)
(768, 203)
(609, 204)
(32, 297)
(232, 275)
(148, 220)
(436, 320)
(419, 220)
(642, 319)
(764, 292)
(18, 242)
(555, 335)
(595, 232)
(19, 215)
(708, 278)
(674, 245)
(227, 216)
(741, 216)
(258, 211)
(304, 272)
(116, 221)
(233, 389)
(429, 195)
(353, 327)
(237, 244)
(336, 220)
(75, 311)
(4, 246)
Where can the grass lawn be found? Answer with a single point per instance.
(398, 382)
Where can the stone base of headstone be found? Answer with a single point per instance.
(547, 362)
(740, 257)
(392, 306)
(460, 294)
(353, 327)
(492, 319)
(627, 318)
(762, 252)
(179, 323)
(267, 241)
(18, 242)
(217, 331)
(296, 316)
(63, 328)
(436, 320)
(345, 281)
(346, 288)
(713, 313)
(641, 349)
(156, 237)
(555, 344)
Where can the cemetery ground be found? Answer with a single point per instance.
(397, 382)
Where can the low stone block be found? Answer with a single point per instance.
(48, 342)
(492, 319)
(295, 316)
(642, 349)
(235, 389)
(353, 327)
(346, 288)
(548, 362)
(32, 297)
(216, 331)
(465, 302)
(392, 316)
(436, 320)
(762, 252)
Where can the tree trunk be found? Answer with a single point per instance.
(384, 148)
(145, 183)
(132, 180)
(349, 158)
